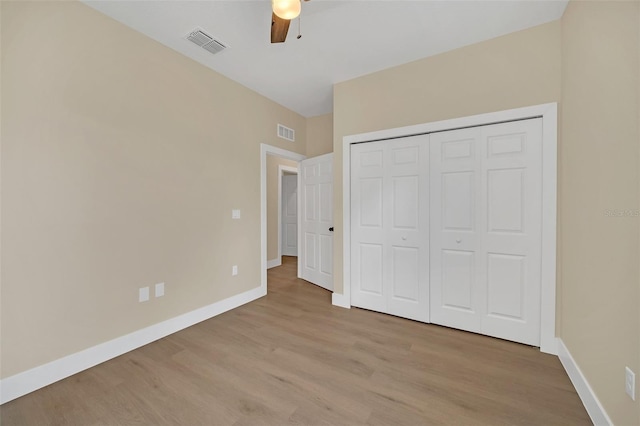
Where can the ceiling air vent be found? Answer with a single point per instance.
(205, 41)
(286, 133)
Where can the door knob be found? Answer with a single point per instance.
(331, 229)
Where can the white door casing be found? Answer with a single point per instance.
(486, 233)
(316, 246)
(390, 227)
(289, 216)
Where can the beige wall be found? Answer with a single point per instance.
(121, 163)
(319, 135)
(600, 173)
(516, 70)
(273, 219)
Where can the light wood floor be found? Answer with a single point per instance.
(292, 358)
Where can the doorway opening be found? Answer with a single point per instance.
(282, 210)
(275, 163)
(313, 205)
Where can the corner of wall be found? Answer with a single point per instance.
(319, 135)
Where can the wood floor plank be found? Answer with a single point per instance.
(291, 358)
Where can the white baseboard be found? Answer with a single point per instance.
(23, 383)
(274, 262)
(339, 300)
(591, 403)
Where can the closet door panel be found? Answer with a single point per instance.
(407, 201)
(454, 244)
(367, 227)
(389, 227)
(512, 171)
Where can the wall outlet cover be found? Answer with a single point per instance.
(159, 289)
(143, 294)
(234, 270)
(235, 214)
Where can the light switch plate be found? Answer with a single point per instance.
(143, 294)
(159, 289)
(234, 270)
(235, 214)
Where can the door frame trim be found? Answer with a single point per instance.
(277, 152)
(549, 114)
(281, 170)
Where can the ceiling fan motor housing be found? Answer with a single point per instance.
(286, 9)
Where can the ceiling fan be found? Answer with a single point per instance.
(283, 12)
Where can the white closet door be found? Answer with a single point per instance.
(456, 281)
(316, 252)
(390, 227)
(486, 233)
(512, 176)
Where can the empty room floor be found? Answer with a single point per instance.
(293, 358)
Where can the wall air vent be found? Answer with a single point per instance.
(205, 41)
(286, 133)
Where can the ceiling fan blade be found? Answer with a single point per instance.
(279, 29)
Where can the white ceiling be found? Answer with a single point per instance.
(341, 39)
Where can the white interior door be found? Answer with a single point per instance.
(390, 227)
(316, 250)
(486, 231)
(289, 224)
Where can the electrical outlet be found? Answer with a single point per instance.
(630, 383)
(234, 270)
(159, 289)
(143, 294)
